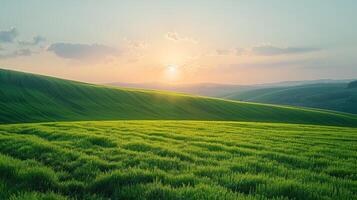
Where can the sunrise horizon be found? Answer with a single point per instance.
(235, 42)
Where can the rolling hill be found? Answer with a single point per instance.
(352, 84)
(27, 97)
(331, 96)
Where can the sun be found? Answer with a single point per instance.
(171, 68)
(172, 72)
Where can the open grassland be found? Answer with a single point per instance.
(32, 98)
(177, 160)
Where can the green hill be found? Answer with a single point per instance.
(27, 97)
(331, 96)
(352, 84)
(177, 160)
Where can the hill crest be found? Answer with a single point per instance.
(28, 97)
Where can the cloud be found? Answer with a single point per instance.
(8, 35)
(35, 41)
(174, 36)
(240, 51)
(269, 50)
(265, 50)
(233, 51)
(13, 50)
(137, 45)
(82, 51)
(223, 52)
(133, 50)
(294, 63)
(17, 53)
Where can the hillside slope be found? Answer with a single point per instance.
(332, 96)
(32, 98)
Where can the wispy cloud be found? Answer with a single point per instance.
(136, 44)
(174, 36)
(8, 36)
(232, 51)
(82, 51)
(35, 41)
(223, 52)
(266, 50)
(269, 50)
(17, 53)
(295, 63)
(16, 48)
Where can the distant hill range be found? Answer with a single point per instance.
(203, 89)
(332, 96)
(216, 89)
(338, 95)
(28, 97)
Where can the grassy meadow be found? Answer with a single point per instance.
(177, 160)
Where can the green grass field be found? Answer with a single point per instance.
(32, 98)
(177, 160)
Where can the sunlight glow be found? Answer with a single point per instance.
(171, 72)
(171, 68)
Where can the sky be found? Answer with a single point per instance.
(181, 41)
